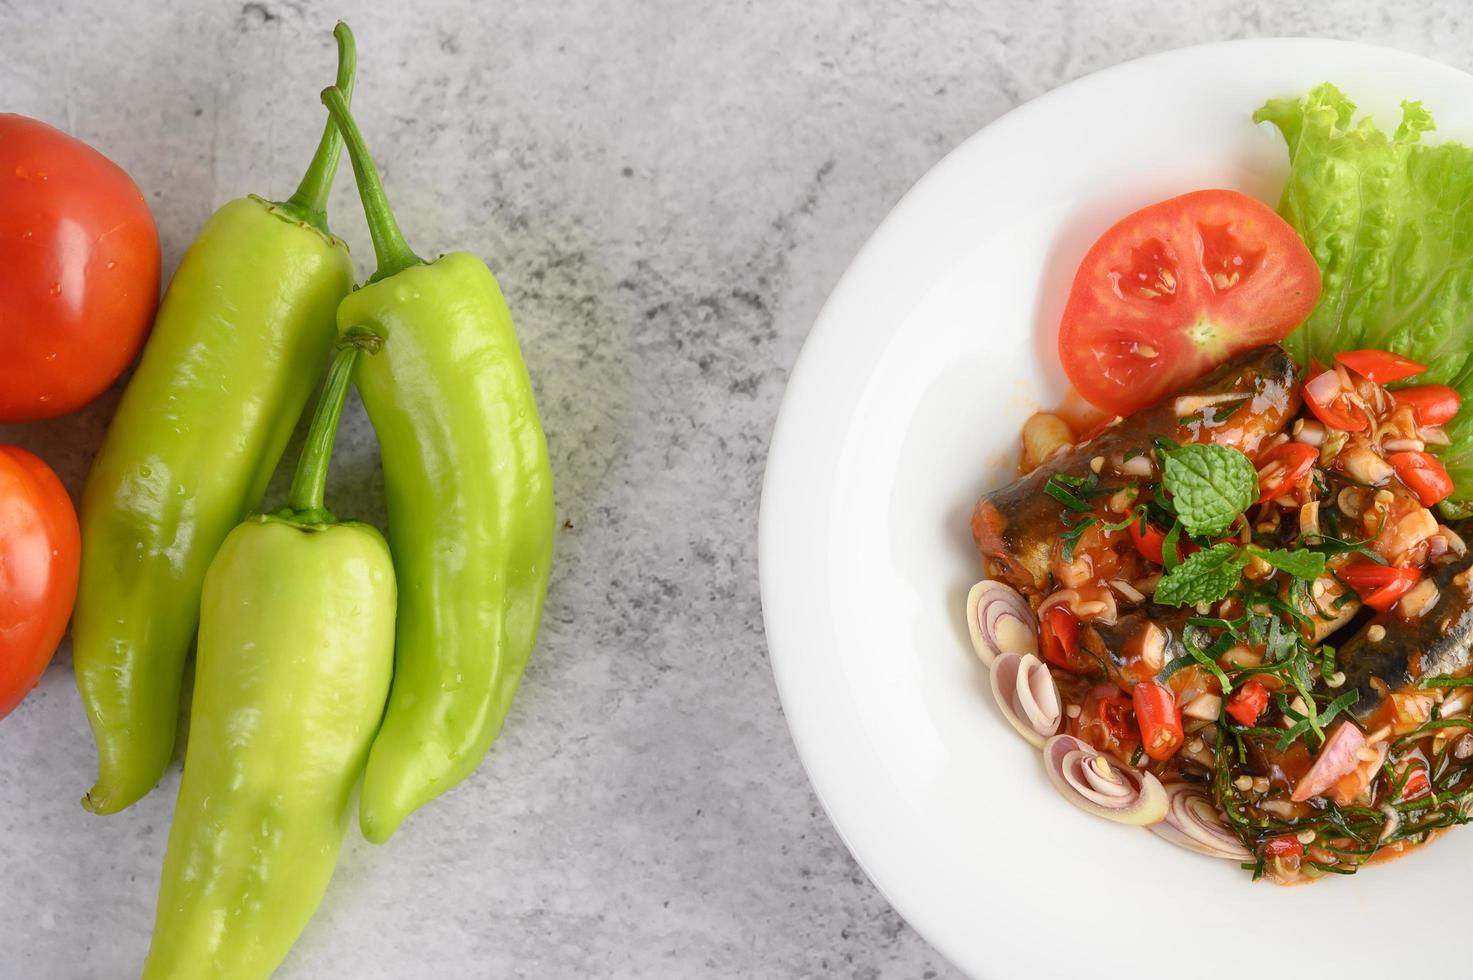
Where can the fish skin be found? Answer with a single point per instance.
(1016, 525)
(1437, 643)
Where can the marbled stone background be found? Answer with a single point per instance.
(668, 190)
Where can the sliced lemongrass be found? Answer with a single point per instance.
(1027, 695)
(1099, 785)
(999, 621)
(1193, 821)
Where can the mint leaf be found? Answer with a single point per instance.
(1210, 486)
(1300, 564)
(1206, 576)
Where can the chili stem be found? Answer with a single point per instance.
(309, 483)
(389, 246)
(309, 203)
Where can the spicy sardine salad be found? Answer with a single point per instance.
(1233, 603)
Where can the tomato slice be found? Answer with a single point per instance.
(1113, 712)
(1423, 475)
(1379, 586)
(1059, 633)
(1151, 543)
(1178, 287)
(1283, 846)
(1282, 467)
(1247, 703)
(1433, 404)
(1416, 785)
(1148, 542)
(1380, 366)
(1160, 719)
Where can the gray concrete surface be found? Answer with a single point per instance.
(668, 191)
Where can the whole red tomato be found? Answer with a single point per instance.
(80, 255)
(40, 550)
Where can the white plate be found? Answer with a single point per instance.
(904, 407)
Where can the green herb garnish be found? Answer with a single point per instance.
(1070, 538)
(1071, 491)
(1210, 485)
(1338, 705)
(1170, 551)
(1207, 659)
(1207, 576)
(1136, 515)
(1301, 564)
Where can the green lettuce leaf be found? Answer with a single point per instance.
(1389, 219)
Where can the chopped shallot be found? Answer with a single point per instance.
(1336, 758)
(1204, 707)
(1136, 466)
(1073, 574)
(1309, 519)
(1363, 464)
(1419, 600)
(1310, 432)
(1411, 530)
(1455, 703)
(1324, 387)
(1127, 591)
(1101, 609)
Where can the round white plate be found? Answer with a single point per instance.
(904, 407)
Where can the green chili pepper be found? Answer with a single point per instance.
(241, 339)
(296, 640)
(470, 506)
